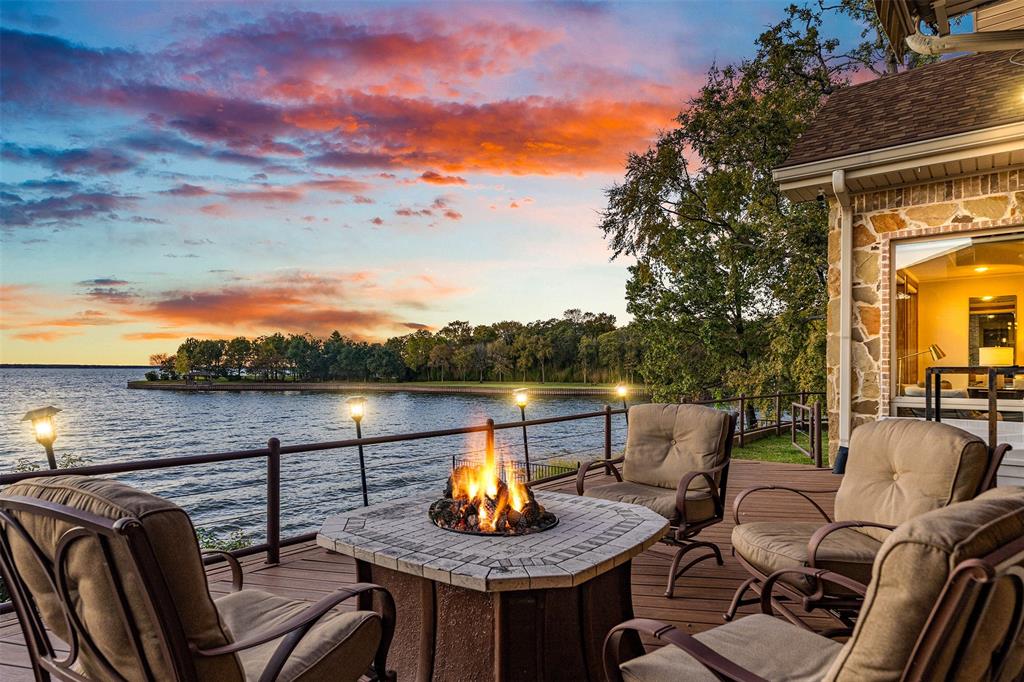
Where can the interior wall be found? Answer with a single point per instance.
(944, 314)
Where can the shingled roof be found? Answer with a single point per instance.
(945, 98)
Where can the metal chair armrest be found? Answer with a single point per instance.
(718, 664)
(584, 468)
(819, 535)
(237, 576)
(296, 627)
(802, 492)
(684, 485)
(817, 573)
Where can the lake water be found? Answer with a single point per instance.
(103, 421)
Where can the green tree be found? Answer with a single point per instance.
(586, 353)
(728, 272)
(502, 358)
(441, 357)
(238, 354)
(543, 349)
(462, 359)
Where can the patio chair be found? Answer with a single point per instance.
(945, 602)
(898, 469)
(116, 574)
(676, 463)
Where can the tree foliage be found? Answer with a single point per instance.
(577, 346)
(729, 288)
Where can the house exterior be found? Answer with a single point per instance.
(924, 175)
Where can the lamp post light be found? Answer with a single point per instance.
(522, 398)
(622, 392)
(45, 429)
(356, 410)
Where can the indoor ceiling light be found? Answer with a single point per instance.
(981, 268)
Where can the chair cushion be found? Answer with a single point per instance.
(667, 441)
(699, 505)
(908, 577)
(173, 540)
(900, 468)
(340, 647)
(767, 646)
(772, 545)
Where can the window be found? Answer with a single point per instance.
(957, 302)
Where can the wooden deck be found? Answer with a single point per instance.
(308, 572)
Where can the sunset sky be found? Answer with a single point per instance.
(216, 169)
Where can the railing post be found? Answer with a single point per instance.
(778, 414)
(993, 411)
(362, 465)
(816, 429)
(489, 452)
(274, 501)
(792, 424)
(607, 439)
(526, 443)
(743, 418)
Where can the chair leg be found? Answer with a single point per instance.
(738, 600)
(674, 572)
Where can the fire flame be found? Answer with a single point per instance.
(480, 485)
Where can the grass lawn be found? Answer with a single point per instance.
(777, 449)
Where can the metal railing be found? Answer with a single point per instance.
(806, 420)
(274, 451)
(761, 426)
(540, 469)
(933, 392)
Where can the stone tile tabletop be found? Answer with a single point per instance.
(591, 537)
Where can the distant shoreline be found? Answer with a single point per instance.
(16, 365)
(410, 387)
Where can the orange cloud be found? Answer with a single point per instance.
(153, 336)
(44, 337)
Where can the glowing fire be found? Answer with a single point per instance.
(479, 500)
(492, 498)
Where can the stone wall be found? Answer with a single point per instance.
(978, 202)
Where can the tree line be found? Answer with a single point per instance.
(578, 347)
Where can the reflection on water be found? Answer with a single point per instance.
(103, 422)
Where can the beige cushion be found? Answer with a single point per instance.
(174, 543)
(908, 577)
(767, 646)
(773, 545)
(900, 468)
(339, 647)
(699, 505)
(666, 442)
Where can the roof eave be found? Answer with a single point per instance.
(994, 148)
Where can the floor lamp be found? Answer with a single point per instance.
(936, 352)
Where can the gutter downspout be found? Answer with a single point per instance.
(845, 316)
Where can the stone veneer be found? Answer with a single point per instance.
(978, 202)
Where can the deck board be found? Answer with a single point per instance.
(309, 572)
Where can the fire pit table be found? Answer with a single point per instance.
(524, 607)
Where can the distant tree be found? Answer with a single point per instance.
(458, 333)
(586, 353)
(543, 349)
(502, 359)
(384, 364)
(441, 357)
(523, 349)
(462, 359)
(238, 354)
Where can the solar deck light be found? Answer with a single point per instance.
(45, 429)
(522, 397)
(356, 410)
